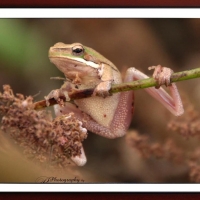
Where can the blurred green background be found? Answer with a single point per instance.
(175, 43)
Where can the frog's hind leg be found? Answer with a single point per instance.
(162, 75)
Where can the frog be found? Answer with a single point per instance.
(104, 114)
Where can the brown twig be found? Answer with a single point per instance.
(135, 85)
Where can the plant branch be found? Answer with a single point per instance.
(135, 85)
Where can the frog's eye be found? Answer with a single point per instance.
(77, 50)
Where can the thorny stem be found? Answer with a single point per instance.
(135, 85)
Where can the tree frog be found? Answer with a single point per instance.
(105, 115)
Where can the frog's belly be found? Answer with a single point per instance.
(102, 110)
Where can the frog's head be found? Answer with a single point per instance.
(73, 59)
(70, 55)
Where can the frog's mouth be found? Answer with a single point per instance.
(74, 60)
(63, 63)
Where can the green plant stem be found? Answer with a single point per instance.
(135, 85)
(151, 82)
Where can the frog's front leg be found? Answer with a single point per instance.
(57, 93)
(162, 74)
(102, 89)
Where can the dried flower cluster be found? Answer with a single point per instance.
(187, 126)
(194, 172)
(51, 142)
(168, 150)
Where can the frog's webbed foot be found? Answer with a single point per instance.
(162, 75)
(81, 159)
(102, 89)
